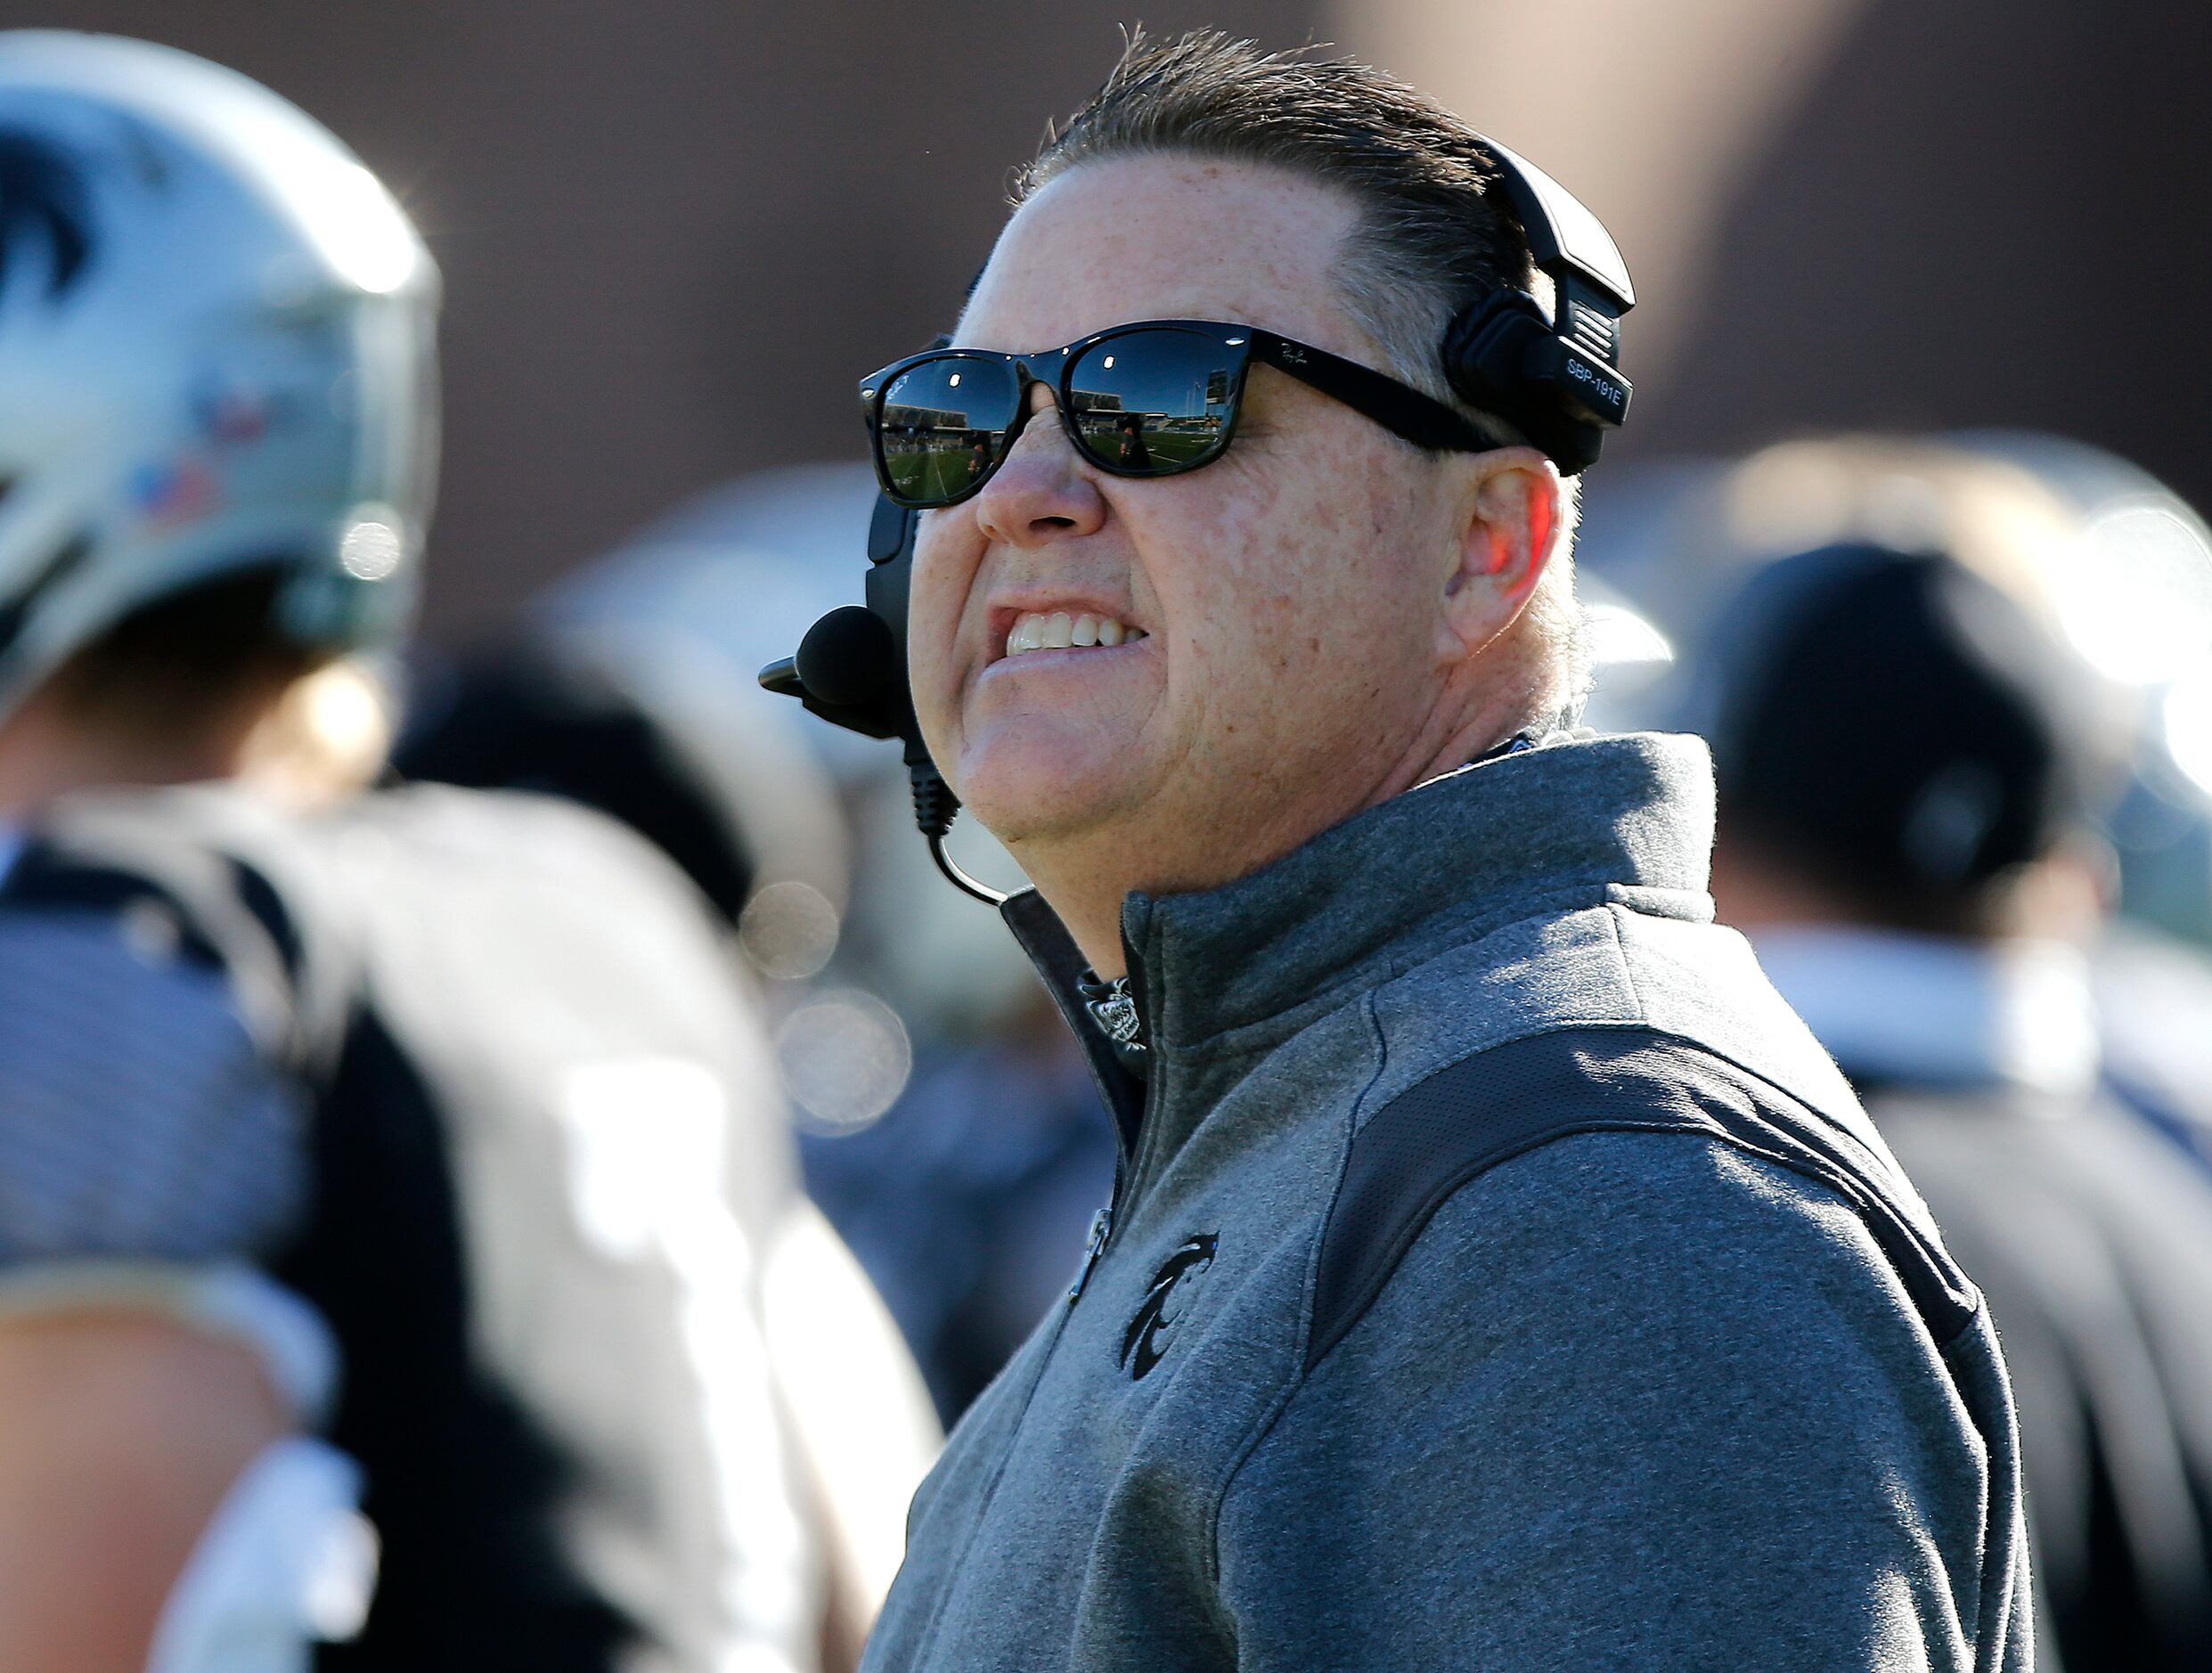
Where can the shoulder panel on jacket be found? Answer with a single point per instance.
(1448, 1130)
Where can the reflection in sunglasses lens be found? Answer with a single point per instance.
(943, 425)
(1154, 401)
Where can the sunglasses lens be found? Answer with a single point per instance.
(943, 426)
(1152, 402)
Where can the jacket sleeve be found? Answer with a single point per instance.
(1629, 1401)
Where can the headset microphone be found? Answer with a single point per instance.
(851, 671)
(847, 672)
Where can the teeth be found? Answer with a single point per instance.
(1059, 630)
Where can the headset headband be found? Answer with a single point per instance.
(1557, 377)
(1560, 230)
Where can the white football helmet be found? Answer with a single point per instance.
(216, 354)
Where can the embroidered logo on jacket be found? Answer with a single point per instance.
(1166, 1298)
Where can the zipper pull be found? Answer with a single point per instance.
(1101, 1229)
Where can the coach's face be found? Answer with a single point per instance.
(1288, 609)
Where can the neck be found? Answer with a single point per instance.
(45, 757)
(1086, 878)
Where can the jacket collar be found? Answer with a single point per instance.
(1578, 818)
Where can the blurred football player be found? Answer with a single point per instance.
(1907, 754)
(425, 1123)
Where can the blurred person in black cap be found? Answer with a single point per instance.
(2126, 567)
(409, 1147)
(1906, 752)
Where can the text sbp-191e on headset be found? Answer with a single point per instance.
(1554, 376)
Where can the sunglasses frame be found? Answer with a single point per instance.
(1398, 407)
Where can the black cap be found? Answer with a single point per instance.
(1899, 723)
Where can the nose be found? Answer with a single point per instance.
(1043, 491)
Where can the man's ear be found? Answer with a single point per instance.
(1509, 530)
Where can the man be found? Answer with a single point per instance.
(426, 1118)
(1132, 451)
(1905, 754)
(1622, 1342)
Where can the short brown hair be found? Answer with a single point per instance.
(160, 675)
(1432, 236)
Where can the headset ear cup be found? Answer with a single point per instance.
(1486, 351)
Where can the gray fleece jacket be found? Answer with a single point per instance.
(1691, 1387)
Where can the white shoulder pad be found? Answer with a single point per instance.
(287, 1562)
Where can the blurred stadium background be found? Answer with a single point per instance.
(673, 234)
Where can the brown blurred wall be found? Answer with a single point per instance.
(1871, 213)
(673, 232)
(1982, 212)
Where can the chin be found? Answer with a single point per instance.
(1030, 782)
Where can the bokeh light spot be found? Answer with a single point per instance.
(370, 550)
(2136, 594)
(788, 930)
(2188, 717)
(846, 1058)
(1616, 635)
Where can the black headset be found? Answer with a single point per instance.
(1554, 377)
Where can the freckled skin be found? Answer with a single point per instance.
(1332, 613)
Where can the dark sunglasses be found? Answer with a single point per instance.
(1148, 399)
